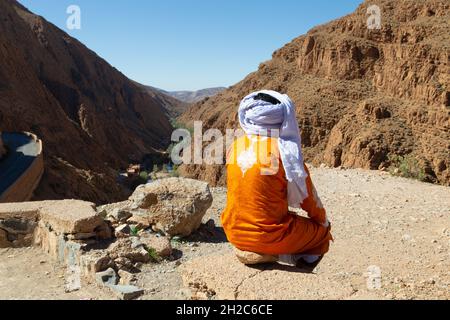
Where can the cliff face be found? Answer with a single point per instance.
(91, 118)
(362, 95)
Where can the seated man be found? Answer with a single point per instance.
(266, 176)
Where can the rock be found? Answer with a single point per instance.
(17, 226)
(104, 231)
(73, 279)
(140, 222)
(82, 236)
(4, 243)
(122, 231)
(125, 264)
(250, 258)
(136, 243)
(161, 245)
(127, 292)
(126, 278)
(120, 215)
(174, 206)
(224, 277)
(70, 216)
(107, 278)
(96, 261)
(123, 248)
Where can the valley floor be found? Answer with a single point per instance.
(391, 233)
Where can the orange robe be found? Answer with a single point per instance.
(257, 218)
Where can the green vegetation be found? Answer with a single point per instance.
(144, 175)
(134, 231)
(407, 167)
(175, 173)
(154, 255)
(178, 125)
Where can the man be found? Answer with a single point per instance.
(266, 176)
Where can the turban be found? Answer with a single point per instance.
(264, 118)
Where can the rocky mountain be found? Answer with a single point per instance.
(92, 119)
(194, 96)
(363, 96)
(172, 106)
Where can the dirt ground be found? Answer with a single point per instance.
(28, 273)
(392, 238)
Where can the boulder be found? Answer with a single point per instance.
(174, 206)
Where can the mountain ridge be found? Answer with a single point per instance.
(193, 96)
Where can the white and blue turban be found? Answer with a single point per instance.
(259, 117)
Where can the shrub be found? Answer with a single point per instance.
(407, 167)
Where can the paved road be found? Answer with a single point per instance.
(22, 150)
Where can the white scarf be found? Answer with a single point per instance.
(259, 117)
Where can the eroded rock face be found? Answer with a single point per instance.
(174, 206)
(361, 95)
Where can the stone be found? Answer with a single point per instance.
(250, 258)
(96, 261)
(109, 210)
(136, 243)
(125, 264)
(120, 215)
(224, 277)
(82, 236)
(140, 222)
(173, 206)
(73, 279)
(127, 292)
(122, 231)
(104, 231)
(18, 225)
(107, 278)
(161, 245)
(4, 243)
(126, 278)
(63, 216)
(123, 248)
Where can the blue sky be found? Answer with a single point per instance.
(190, 44)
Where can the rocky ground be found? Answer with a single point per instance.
(399, 226)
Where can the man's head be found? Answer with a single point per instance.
(267, 98)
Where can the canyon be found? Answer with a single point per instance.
(92, 119)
